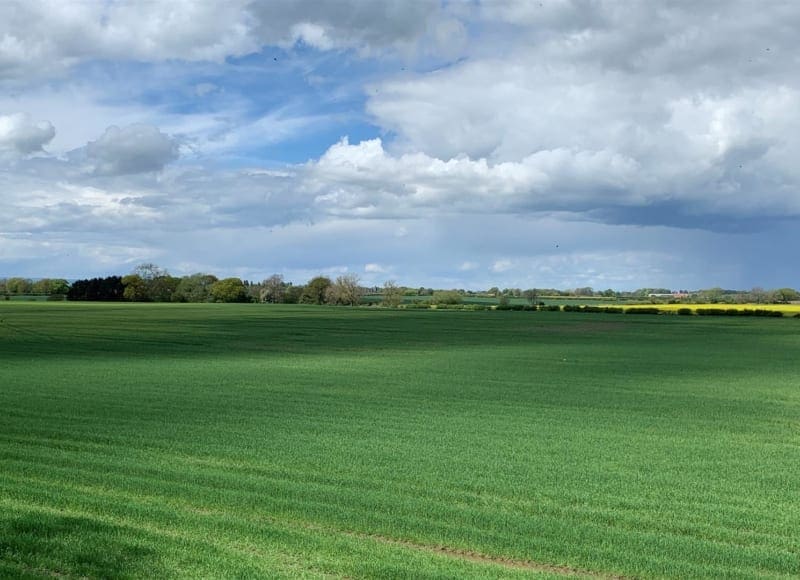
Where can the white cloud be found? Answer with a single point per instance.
(582, 138)
(502, 265)
(364, 180)
(374, 269)
(20, 135)
(42, 37)
(133, 149)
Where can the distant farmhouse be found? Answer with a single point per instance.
(676, 295)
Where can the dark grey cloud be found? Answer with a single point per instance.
(329, 24)
(40, 39)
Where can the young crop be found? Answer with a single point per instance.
(266, 440)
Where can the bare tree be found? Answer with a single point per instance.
(346, 290)
(392, 294)
(272, 289)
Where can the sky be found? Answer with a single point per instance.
(536, 143)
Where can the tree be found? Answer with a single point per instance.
(273, 289)
(446, 297)
(392, 294)
(786, 295)
(229, 290)
(757, 295)
(161, 288)
(149, 271)
(109, 288)
(292, 294)
(531, 295)
(149, 282)
(18, 286)
(194, 288)
(712, 295)
(314, 291)
(344, 291)
(135, 288)
(50, 286)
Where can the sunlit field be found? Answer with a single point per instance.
(286, 441)
(787, 309)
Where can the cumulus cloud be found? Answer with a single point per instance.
(636, 114)
(45, 37)
(363, 179)
(20, 135)
(561, 143)
(133, 149)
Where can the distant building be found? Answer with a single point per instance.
(675, 295)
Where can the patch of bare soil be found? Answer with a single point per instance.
(479, 558)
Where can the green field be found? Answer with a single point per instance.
(285, 441)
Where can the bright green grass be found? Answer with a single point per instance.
(282, 441)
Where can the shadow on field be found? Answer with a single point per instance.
(180, 333)
(48, 545)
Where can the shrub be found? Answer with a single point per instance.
(643, 310)
(446, 297)
(710, 311)
(684, 311)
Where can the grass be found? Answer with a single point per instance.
(285, 441)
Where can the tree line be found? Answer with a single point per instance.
(151, 283)
(42, 287)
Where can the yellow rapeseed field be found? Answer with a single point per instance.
(787, 309)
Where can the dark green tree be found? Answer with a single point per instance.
(314, 291)
(194, 288)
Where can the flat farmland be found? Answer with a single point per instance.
(286, 441)
(786, 309)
